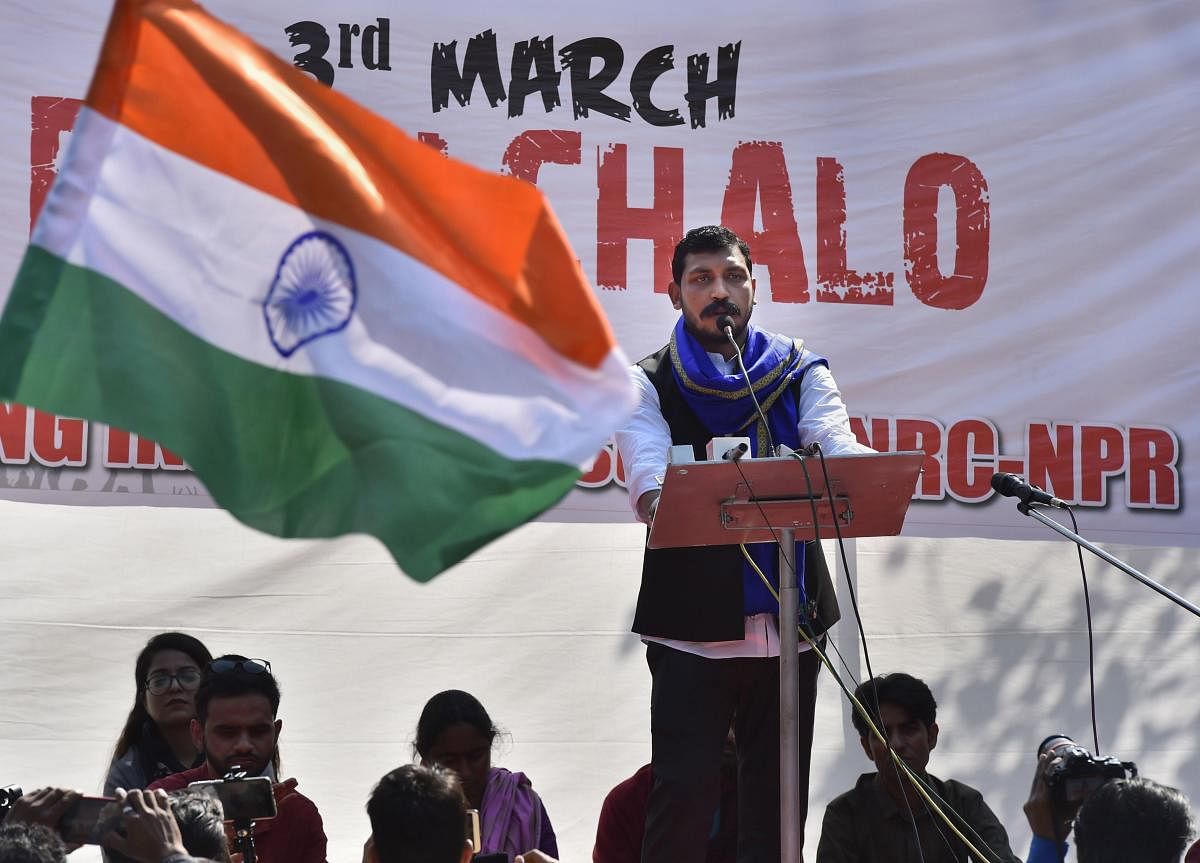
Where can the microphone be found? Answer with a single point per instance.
(1011, 485)
(735, 453)
(725, 324)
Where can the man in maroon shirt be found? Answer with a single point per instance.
(236, 726)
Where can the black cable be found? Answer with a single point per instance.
(816, 447)
(737, 352)
(1087, 604)
(858, 618)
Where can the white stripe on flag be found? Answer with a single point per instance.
(203, 249)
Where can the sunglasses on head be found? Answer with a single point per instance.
(244, 666)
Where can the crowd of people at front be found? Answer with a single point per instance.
(196, 718)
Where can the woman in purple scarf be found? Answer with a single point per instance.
(454, 731)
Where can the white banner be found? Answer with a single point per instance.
(984, 215)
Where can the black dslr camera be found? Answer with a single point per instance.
(1076, 773)
(8, 796)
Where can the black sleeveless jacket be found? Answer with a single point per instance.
(695, 594)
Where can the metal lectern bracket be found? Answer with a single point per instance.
(790, 513)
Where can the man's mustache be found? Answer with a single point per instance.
(720, 307)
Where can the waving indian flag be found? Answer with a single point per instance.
(338, 328)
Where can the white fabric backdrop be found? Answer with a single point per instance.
(536, 626)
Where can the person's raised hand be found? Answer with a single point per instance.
(44, 806)
(1040, 811)
(149, 832)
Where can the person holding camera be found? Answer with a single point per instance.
(237, 728)
(1117, 818)
(884, 818)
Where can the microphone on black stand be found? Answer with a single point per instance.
(725, 324)
(1011, 485)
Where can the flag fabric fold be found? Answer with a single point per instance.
(338, 328)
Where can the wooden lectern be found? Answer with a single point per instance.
(771, 500)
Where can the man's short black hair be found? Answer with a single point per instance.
(1133, 819)
(201, 823)
(22, 842)
(709, 238)
(418, 815)
(231, 684)
(900, 689)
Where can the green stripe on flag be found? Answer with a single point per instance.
(292, 455)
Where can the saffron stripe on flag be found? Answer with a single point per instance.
(256, 118)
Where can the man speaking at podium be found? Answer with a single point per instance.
(709, 623)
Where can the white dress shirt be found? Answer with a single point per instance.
(644, 444)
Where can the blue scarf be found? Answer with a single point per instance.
(722, 402)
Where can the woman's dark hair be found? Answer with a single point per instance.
(131, 734)
(446, 709)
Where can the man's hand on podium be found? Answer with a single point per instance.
(647, 505)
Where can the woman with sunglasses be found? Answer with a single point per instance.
(456, 733)
(156, 740)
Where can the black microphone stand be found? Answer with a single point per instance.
(243, 840)
(1032, 511)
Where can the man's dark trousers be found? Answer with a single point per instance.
(693, 702)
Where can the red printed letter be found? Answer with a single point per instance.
(433, 139)
(1152, 480)
(530, 150)
(970, 459)
(759, 172)
(1101, 454)
(51, 117)
(617, 222)
(873, 289)
(14, 425)
(1052, 461)
(125, 450)
(926, 435)
(963, 286)
(878, 438)
(59, 441)
(601, 472)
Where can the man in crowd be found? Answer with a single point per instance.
(28, 829)
(884, 818)
(27, 842)
(707, 619)
(236, 726)
(623, 816)
(418, 815)
(1122, 821)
